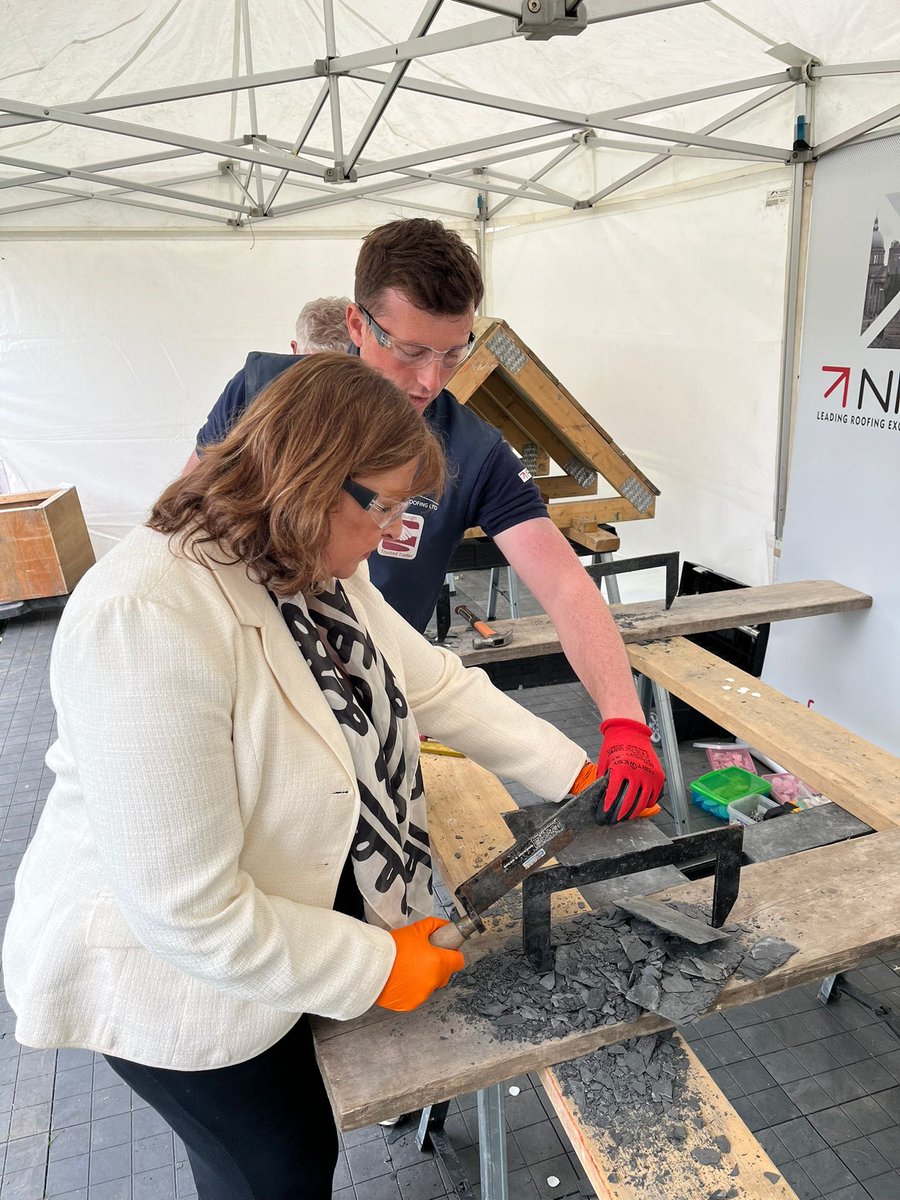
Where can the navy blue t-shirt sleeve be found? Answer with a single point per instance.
(225, 412)
(504, 494)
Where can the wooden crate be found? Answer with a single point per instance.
(44, 544)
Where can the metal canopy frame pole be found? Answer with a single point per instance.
(390, 85)
(792, 311)
(336, 173)
(565, 153)
(304, 133)
(719, 123)
(251, 97)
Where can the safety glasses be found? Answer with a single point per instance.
(383, 512)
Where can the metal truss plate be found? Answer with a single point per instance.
(635, 492)
(507, 352)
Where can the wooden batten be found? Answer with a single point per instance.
(508, 386)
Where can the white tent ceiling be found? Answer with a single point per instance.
(139, 113)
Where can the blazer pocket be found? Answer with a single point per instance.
(107, 927)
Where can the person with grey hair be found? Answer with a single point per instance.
(322, 325)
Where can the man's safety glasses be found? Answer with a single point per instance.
(413, 355)
(382, 512)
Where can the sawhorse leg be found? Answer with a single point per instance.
(430, 1135)
(648, 690)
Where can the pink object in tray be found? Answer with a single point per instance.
(788, 788)
(723, 756)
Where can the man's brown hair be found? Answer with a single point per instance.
(432, 266)
(266, 494)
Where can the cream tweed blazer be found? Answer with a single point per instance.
(175, 905)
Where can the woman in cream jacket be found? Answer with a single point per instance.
(236, 835)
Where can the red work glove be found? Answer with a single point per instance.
(419, 968)
(635, 776)
(588, 775)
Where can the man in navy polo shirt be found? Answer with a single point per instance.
(417, 288)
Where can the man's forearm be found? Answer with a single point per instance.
(591, 641)
(589, 637)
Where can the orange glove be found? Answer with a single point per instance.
(419, 968)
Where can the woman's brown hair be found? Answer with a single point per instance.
(267, 492)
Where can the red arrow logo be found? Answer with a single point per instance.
(843, 376)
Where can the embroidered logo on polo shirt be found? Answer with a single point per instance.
(407, 544)
(525, 475)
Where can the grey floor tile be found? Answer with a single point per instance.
(369, 1160)
(26, 1152)
(70, 1141)
(784, 1066)
(559, 1168)
(887, 1143)
(115, 1189)
(834, 1125)
(840, 1085)
(67, 1174)
(855, 1191)
(867, 1114)
(862, 1158)
(884, 1187)
(808, 1096)
(871, 1075)
(385, 1187)
(149, 1153)
(23, 1185)
(800, 1182)
(421, 1182)
(114, 1162)
(800, 1137)
(778, 1105)
(158, 1184)
(826, 1170)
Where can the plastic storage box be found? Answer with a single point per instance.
(750, 809)
(717, 789)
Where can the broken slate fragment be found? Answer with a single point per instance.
(723, 1143)
(676, 983)
(645, 993)
(706, 1155)
(765, 956)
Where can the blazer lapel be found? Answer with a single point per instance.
(253, 606)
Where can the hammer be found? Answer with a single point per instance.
(483, 636)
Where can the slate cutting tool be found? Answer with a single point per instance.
(492, 882)
(526, 860)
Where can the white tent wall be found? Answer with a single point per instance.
(114, 351)
(664, 319)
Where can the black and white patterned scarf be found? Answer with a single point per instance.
(390, 852)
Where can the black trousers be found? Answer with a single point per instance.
(260, 1130)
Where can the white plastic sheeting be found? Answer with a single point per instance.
(680, 365)
(114, 352)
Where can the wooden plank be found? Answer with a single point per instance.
(387, 1063)
(502, 395)
(757, 1176)
(553, 487)
(469, 377)
(598, 541)
(851, 771)
(649, 620)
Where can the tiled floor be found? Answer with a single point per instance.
(820, 1086)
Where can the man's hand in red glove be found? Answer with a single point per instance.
(419, 968)
(635, 776)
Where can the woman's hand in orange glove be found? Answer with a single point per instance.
(419, 968)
